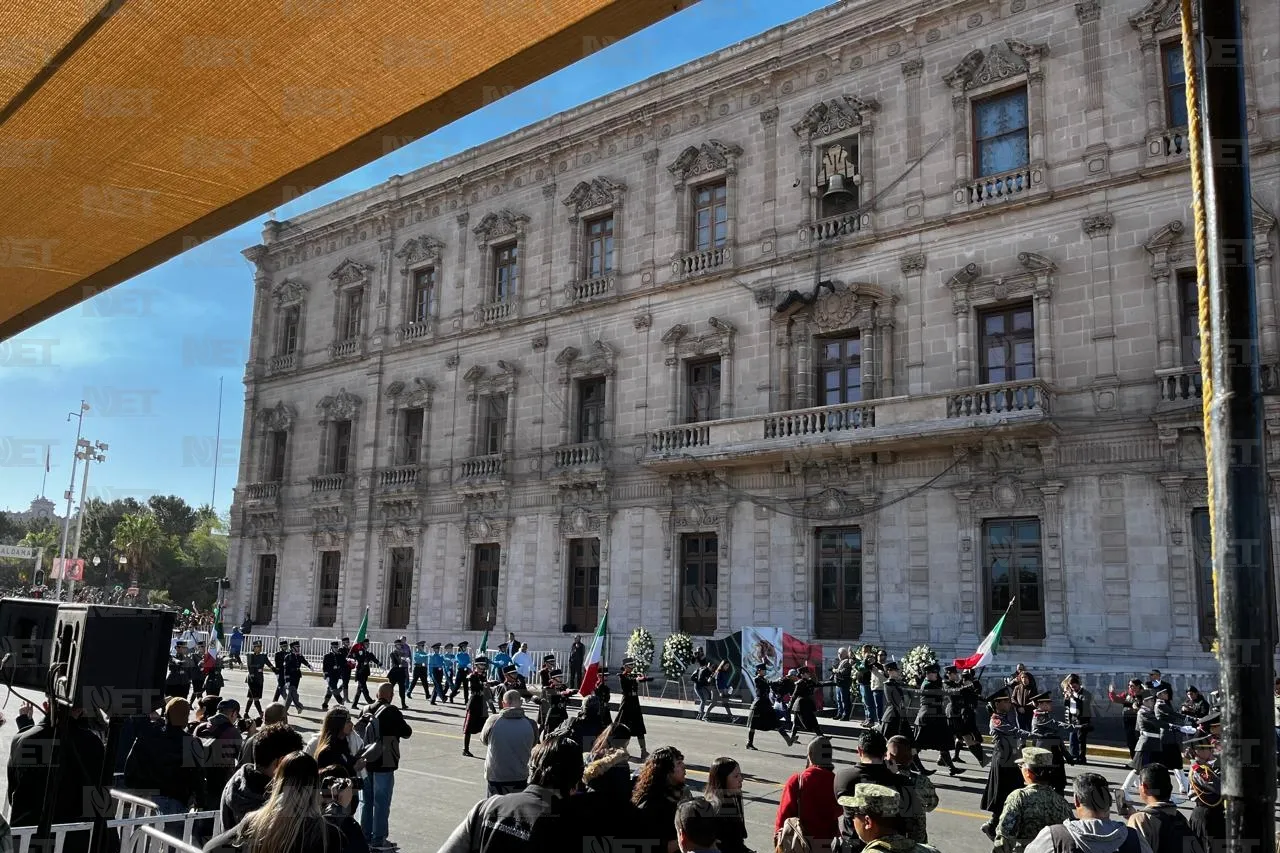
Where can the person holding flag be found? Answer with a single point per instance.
(365, 661)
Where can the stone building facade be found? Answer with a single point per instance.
(863, 328)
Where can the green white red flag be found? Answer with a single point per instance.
(362, 633)
(987, 648)
(591, 673)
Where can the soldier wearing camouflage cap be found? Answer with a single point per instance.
(1029, 810)
(874, 812)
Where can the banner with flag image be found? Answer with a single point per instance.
(592, 665)
(988, 647)
(362, 633)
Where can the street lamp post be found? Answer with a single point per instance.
(88, 452)
(71, 488)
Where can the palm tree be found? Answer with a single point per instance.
(138, 537)
(46, 538)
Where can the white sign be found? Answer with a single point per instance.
(17, 551)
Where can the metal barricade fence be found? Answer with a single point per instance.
(135, 817)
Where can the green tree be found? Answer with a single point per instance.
(140, 539)
(174, 515)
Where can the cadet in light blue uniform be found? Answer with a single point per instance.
(420, 671)
(450, 670)
(462, 662)
(435, 666)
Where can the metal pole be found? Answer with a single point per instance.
(89, 456)
(71, 488)
(1241, 544)
(217, 443)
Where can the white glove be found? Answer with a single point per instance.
(1188, 730)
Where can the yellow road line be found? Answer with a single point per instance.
(959, 813)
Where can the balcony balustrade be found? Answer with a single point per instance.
(702, 262)
(328, 483)
(1002, 187)
(592, 288)
(1179, 385)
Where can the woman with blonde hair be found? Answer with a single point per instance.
(290, 821)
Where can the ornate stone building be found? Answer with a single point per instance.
(864, 328)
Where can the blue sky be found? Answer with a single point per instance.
(147, 355)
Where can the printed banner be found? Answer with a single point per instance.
(74, 569)
(796, 652)
(730, 649)
(761, 646)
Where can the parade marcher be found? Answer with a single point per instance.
(178, 680)
(924, 796)
(365, 661)
(509, 737)
(629, 712)
(477, 703)
(932, 730)
(421, 669)
(382, 729)
(1032, 807)
(724, 688)
(1079, 706)
(282, 683)
(810, 797)
(763, 717)
(462, 674)
(1131, 699)
(1165, 828)
(334, 667)
(1171, 736)
(963, 698)
(348, 665)
(1208, 816)
(1004, 776)
(577, 657)
(804, 710)
(551, 710)
(398, 669)
(435, 668)
(873, 812)
(293, 664)
(893, 721)
(659, 790)
(784, 690)
(1046, 733)
(254, 677)
(450, 672)
(1092, 831)
(234, 645)
(198, 672)
(703, 679)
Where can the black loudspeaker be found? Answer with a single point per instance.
(26, 638)
(111, 659)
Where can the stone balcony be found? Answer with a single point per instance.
(283, 362)
(584, 460)
(494, 312)
(261, 493)
(481, 473)
(703, 262)
(1005, 187)
(1179, 387)
(591, 288)
(401, 478)
(835, 227)
(350, 348)
(324, 484)
(415, 331)
(888, 424)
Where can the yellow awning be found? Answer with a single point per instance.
(132, 131)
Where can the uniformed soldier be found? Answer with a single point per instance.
(435, 665)
(1046, 733)
(1003, 774)
(294, 661)
(365, 661)
(256, 664)
(1033, 807)
(450, 671)
(348, 664)
(873, 811)
(282, 688)
(1208, 816)
(333, 666)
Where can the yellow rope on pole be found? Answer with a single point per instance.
(1195, 152)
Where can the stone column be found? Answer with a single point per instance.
(1098, 229)
(808, 187)
(548, 246)
(802, 345)
(460, 271)
(731, 199)
(726, 379)
(913, 202)
(1164, 314)
(681, 195)
(964, 357)
(1036, 119)
(384, 288)
(762, 556)
(619, 223)
(1151, 81)
(912, 267)
(870, 361)
(769, 120)
(1262, 255)
(1044, 330)
(802, 596)
(970, 583)
(1114, 543)
(884, 331)
(960, 136)
(674, 415)
(786, 368)
(1089, 13)
(1055, 587)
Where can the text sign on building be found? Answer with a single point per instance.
(17, 551)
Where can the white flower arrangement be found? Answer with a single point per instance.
(915, 662)
(640, 647)
(677, 654)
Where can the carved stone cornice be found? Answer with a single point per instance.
(968, 286)
(417, 395)
(1098, 225)
(499, 224)
(912, 68)
(289, 292)
(349, 272)
(418, 250)
(339, 407)
(769, 117)
(829, 117)
(278, 417)
(851, 306)
(599, 192)
(1166, 238)
(712, 156)
(1160, 16)
(601, 362)
(1088, 11)
(1001, 61)
(911, 264)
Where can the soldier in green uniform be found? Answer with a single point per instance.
(874, 812)
(1030, 809)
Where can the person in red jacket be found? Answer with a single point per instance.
(810, 795)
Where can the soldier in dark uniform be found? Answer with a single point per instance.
(294, 661)
(197, 674)
(1004, 776)
(282, 685)
(333, 666)
(932, 730)
(1208, 816)
(1046, 733)
(178, 681)
(551, 709)
(894, 722)
(963, 697)
(365, 661)
(347, 665)
(763, 717)
(214, 680)
(804, 711)
(513, 680)
(477, 703)
(462, 674)
(257, 662)
(629, 712)
(398, 668)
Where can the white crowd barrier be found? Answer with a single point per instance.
(136, 819)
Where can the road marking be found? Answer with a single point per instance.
(958, 813)
(438, 776)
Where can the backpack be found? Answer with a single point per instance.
(369, 731)
(791, 837)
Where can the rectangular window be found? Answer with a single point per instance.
(584, 584)
(1189, 316)
(327, 599)
(710, 216)
(1000, 139)
(290, 321)
(424, 295)
(352, 308)
(699, 582)
(840, 370)
(340, 457)
(265, 597)
(506, 272)
(411, 436)
(277, 452)
(493, 424)
(484, 588)
(1013, 568)
(1008, 344)
(703, 382)
(590, 408)
(599, 247)
(399, 588)
(838, 585)
(1174, 77)
(1202, 554)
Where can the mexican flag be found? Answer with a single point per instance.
(484, 643)
(987, 648)
(591, 672)
(216, 640)
(362, 633)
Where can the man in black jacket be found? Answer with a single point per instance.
(382, 758)
(577, 657)
(282, 684)
(294, 661)
(166, 764)
(365, 661)
(334, 666)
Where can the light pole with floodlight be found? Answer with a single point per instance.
(88, 452)
(71, 488)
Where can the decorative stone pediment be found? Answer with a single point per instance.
(482, 527)
(339, 407)
(712, 156)
(1001, 61)
(500, 224)
(1010, 457)
(834, 115)
(598, 192)
(484, 382)
(289, 292)
(350, 272)
(397, 535)
(1166, 237)
(852, 306)
(601, 362)
(1263, 220)
(1008, 494)
(580, 521)
(1159, 16)
(719, 339)
(416, 394)
(330, 520)
(416, 250)
(278, 417)
(831, 504)
(1034, 278)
